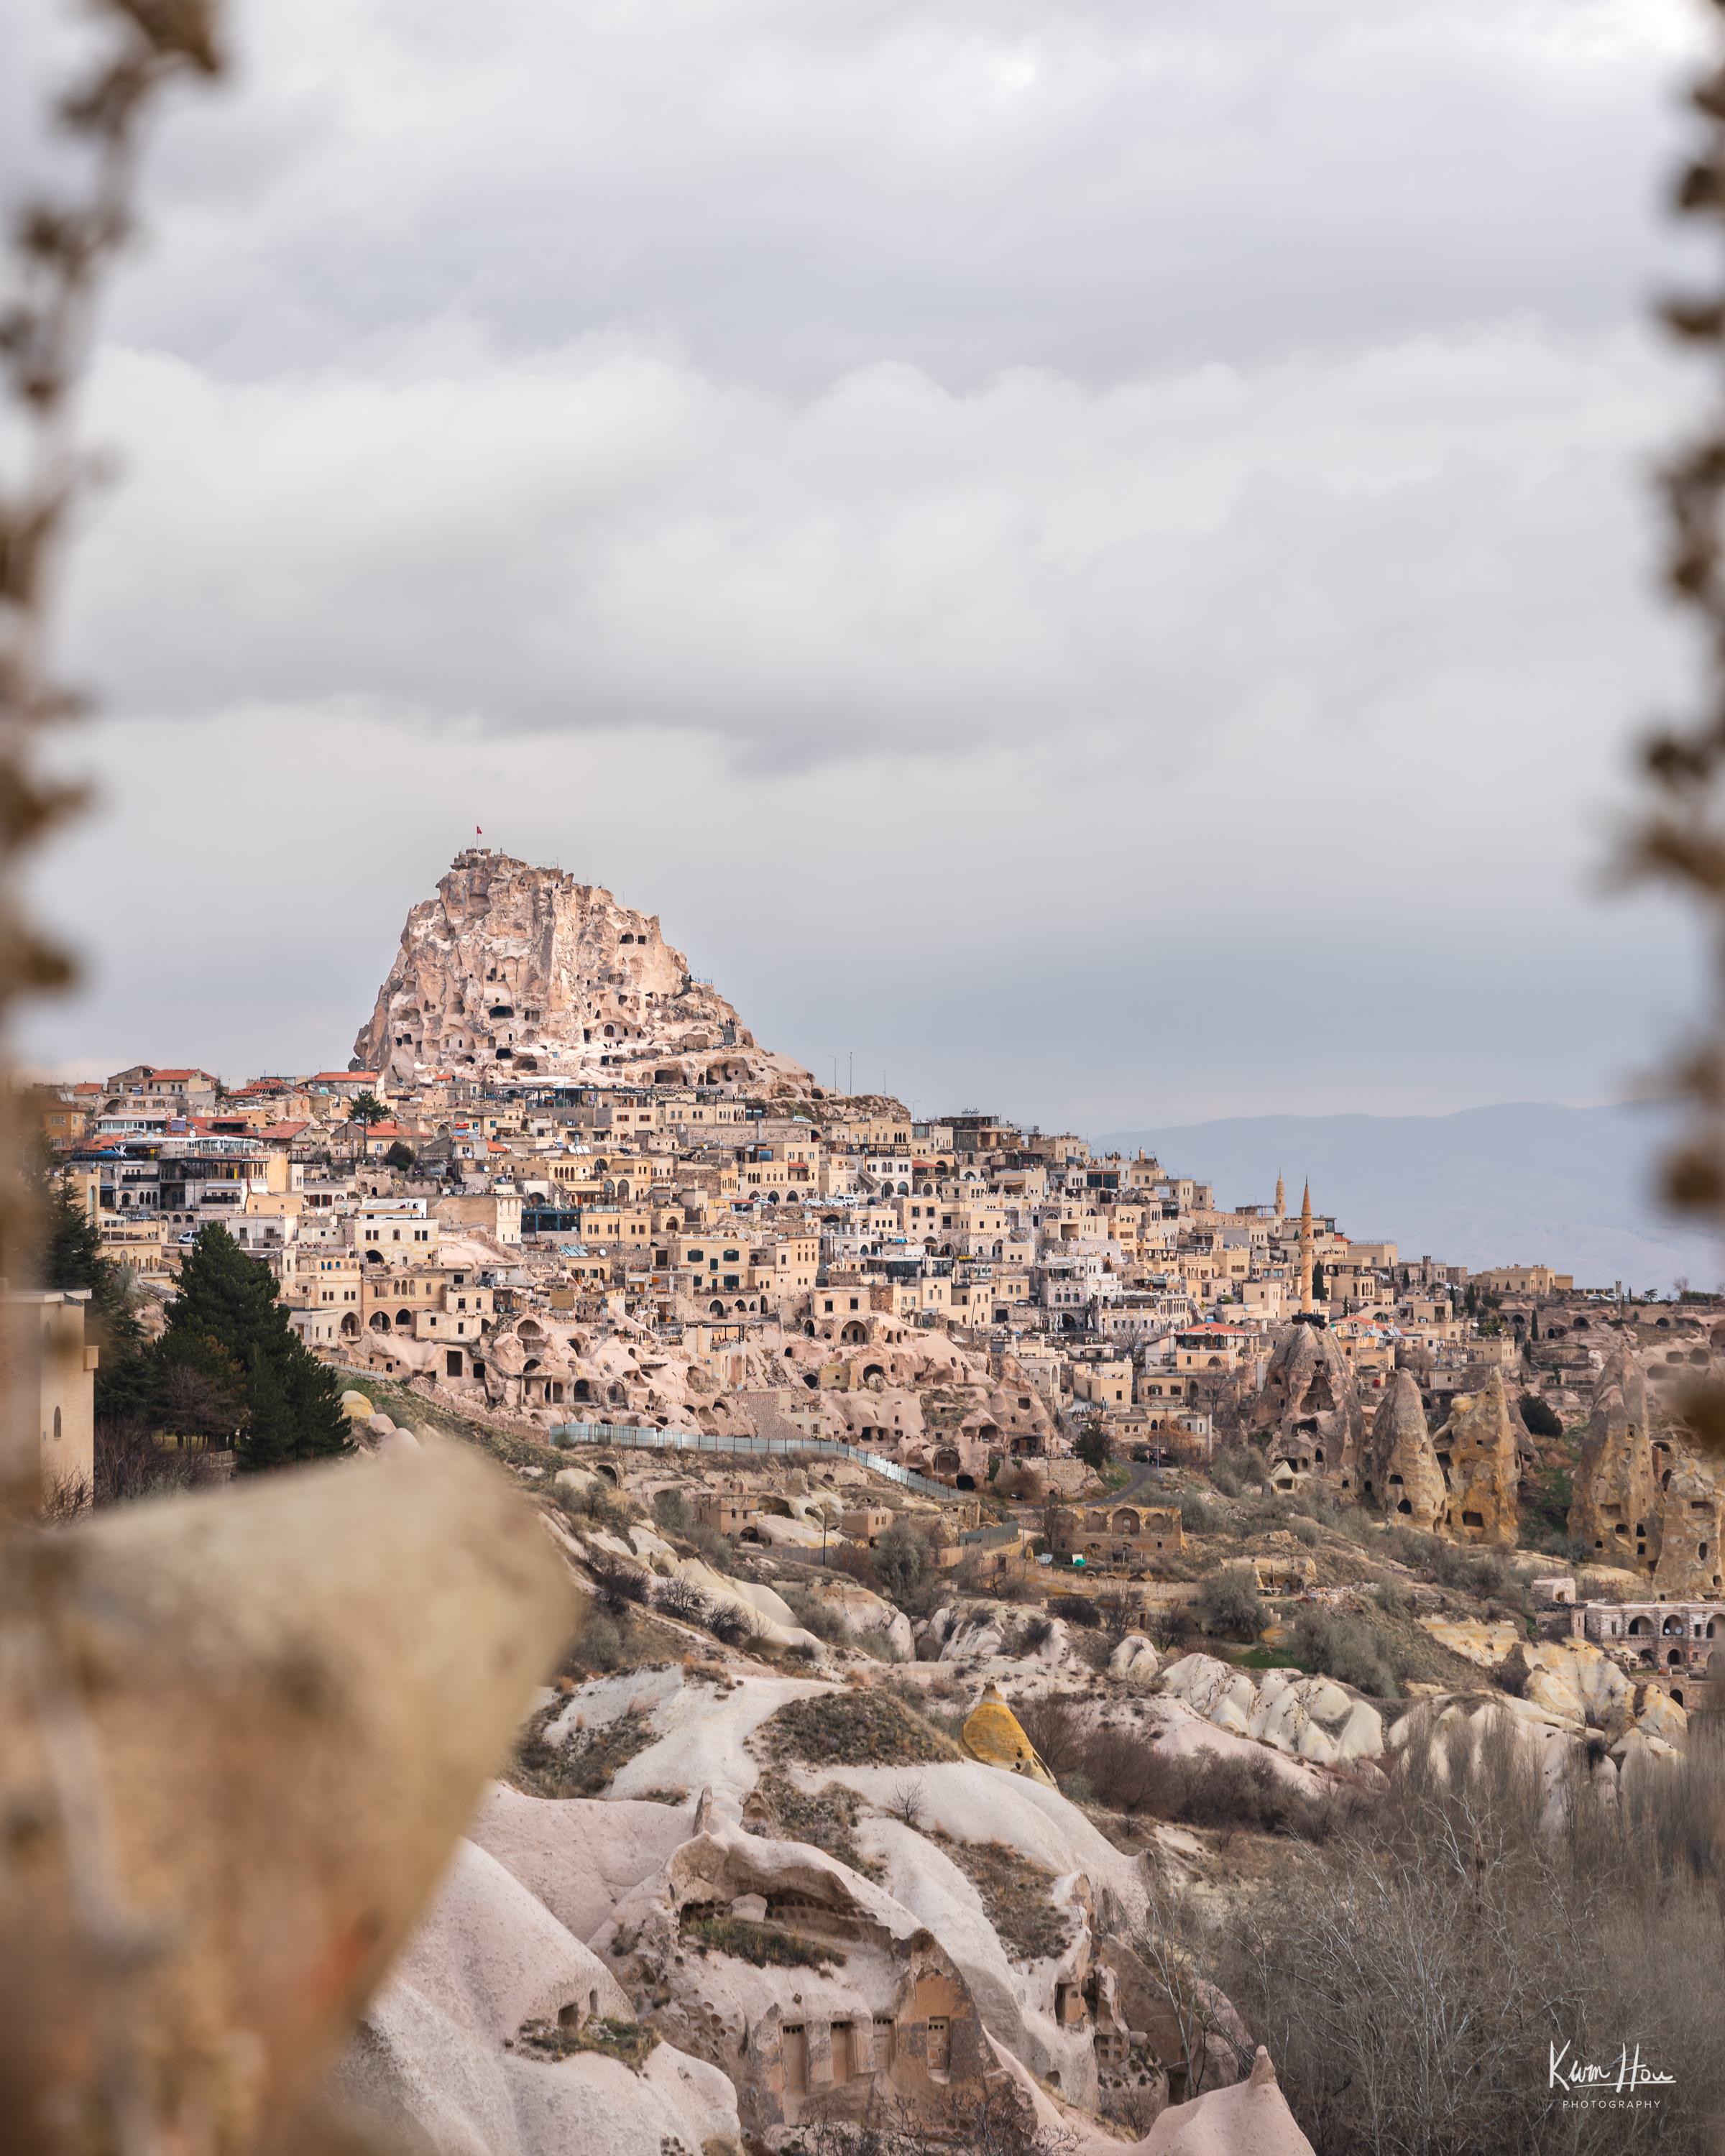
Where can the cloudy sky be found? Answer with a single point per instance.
(1096, 558)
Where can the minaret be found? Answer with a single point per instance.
(1305, 1251)
(1281, 1198)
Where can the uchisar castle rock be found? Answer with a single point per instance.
(982, 1540)
(515, 970)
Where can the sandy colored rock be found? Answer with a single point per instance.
(1616, 1506)
(1477, 1451)
(322, 1669)
(1482, 1639)
(993, 1735)
(516, 969)
(1402, 1470)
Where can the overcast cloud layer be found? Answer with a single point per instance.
(1098, 556)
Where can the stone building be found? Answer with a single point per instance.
(1132, 1535)
(52, 1372)
(1678, 1641)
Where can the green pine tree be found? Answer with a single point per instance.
(1318, 1281)
(1093, 1448)
(293, 1405)
(269, 1439)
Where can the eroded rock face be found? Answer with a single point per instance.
(1616, 1505)
(1476, 1452)
(876, 2010)
(515, 968)
(1311, 1399)
(1402, 1469)
(1690, 1521)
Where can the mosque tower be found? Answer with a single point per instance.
(1305, 1251)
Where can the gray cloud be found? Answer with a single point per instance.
(1110, 541)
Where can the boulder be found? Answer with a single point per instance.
(993, 1735)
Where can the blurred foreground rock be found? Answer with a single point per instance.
(242, 1734)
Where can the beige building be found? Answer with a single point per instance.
(53, 1372)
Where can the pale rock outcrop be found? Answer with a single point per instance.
(868, 1615)
(1616, 1505)
(1691, 1519)
(1572, 1683)
(1402, 1472)
(513, 968)
(431, 2051)
(1019, 2002)
(580, 1855)
(1476, 1450)
(989, 1632)
(491, 1956)
(1308, 1718)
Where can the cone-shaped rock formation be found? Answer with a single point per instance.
(1402, 1464)
(1477, 1451)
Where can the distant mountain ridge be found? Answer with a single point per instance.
(1528, 1182)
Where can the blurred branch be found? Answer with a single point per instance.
(60, 247)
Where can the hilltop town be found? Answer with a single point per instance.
(978, 1530)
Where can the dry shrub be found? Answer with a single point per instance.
(1409, 1978)
(1127, 1773)
(130, 1462)
(617, 1587)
